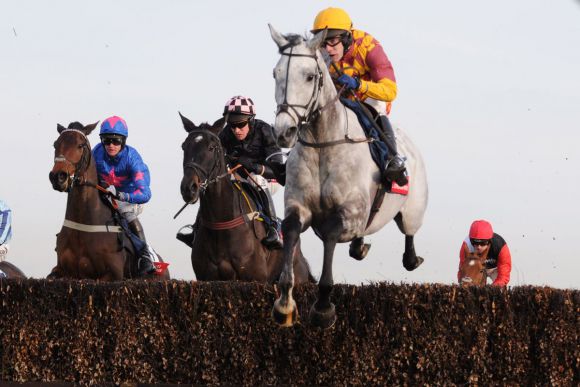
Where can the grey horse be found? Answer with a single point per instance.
(331, 179)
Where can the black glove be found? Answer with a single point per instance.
(249, 164)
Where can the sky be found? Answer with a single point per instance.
(488, 91)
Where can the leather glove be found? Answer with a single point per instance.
(349, 82)
(249, 164)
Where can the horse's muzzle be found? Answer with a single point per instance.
(190, 189)
(287, 138)
(59, 180)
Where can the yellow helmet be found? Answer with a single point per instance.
(332, 18)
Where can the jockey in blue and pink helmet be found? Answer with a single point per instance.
(121, 169)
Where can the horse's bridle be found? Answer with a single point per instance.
(80, 168)
(483, 271)
(309, 111)
(209, 177)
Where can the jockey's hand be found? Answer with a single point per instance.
(121, 196)
(348, 82)
(249, 164)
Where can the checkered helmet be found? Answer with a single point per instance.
(240, 105)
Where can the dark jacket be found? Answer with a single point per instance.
(258, 145)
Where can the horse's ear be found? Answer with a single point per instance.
(60, 128)
(89, 128)
(218, 125)
(317, 39)
(277, 37)
(187, 124)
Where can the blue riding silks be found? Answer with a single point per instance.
(378, 148)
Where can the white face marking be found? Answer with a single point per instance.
(198, 138)
(471, 263)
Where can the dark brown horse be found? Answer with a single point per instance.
(90, 244)
(473, 270)
(227, 244)
(8, 270)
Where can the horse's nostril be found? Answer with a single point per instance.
(61, 177)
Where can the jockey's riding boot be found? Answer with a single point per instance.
(395, 169)
(273, 239)
(144, 261)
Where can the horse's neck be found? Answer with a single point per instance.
(84, 205)
(220, 201)
(332, 123)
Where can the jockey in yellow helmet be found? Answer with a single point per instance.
(366, 71)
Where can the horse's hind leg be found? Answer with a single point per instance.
(358, 249)
(411, 260)
(284, 311)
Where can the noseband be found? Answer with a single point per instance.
(209, 177)
(81, 166)
(310, 112)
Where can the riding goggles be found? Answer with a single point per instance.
(479, 242)
(238, 125)
(111, 140)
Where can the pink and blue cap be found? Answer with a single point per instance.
(114, 125)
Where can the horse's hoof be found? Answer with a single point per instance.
(323, 318)
(285, 317)
(359, 252)
(410, 266)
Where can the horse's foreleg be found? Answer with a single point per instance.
(322, 313)
(284, 311)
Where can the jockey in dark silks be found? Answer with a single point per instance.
(249, 141)
(122, 170)
(367, 73)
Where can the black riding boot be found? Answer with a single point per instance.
(144, 261)
(272, 240)
(395, 169)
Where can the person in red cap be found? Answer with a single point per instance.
(499, 261)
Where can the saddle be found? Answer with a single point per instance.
(377, 147)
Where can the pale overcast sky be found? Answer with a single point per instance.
(489, 91)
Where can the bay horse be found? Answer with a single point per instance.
(89, 245)
(9, 270)
(227, 243)
(473, 271)
(331, 178)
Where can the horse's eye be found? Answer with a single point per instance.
(310, 78)
(183, 146)
(80, 146)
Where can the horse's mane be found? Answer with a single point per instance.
(205, 126)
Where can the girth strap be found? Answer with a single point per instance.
(90, 228)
